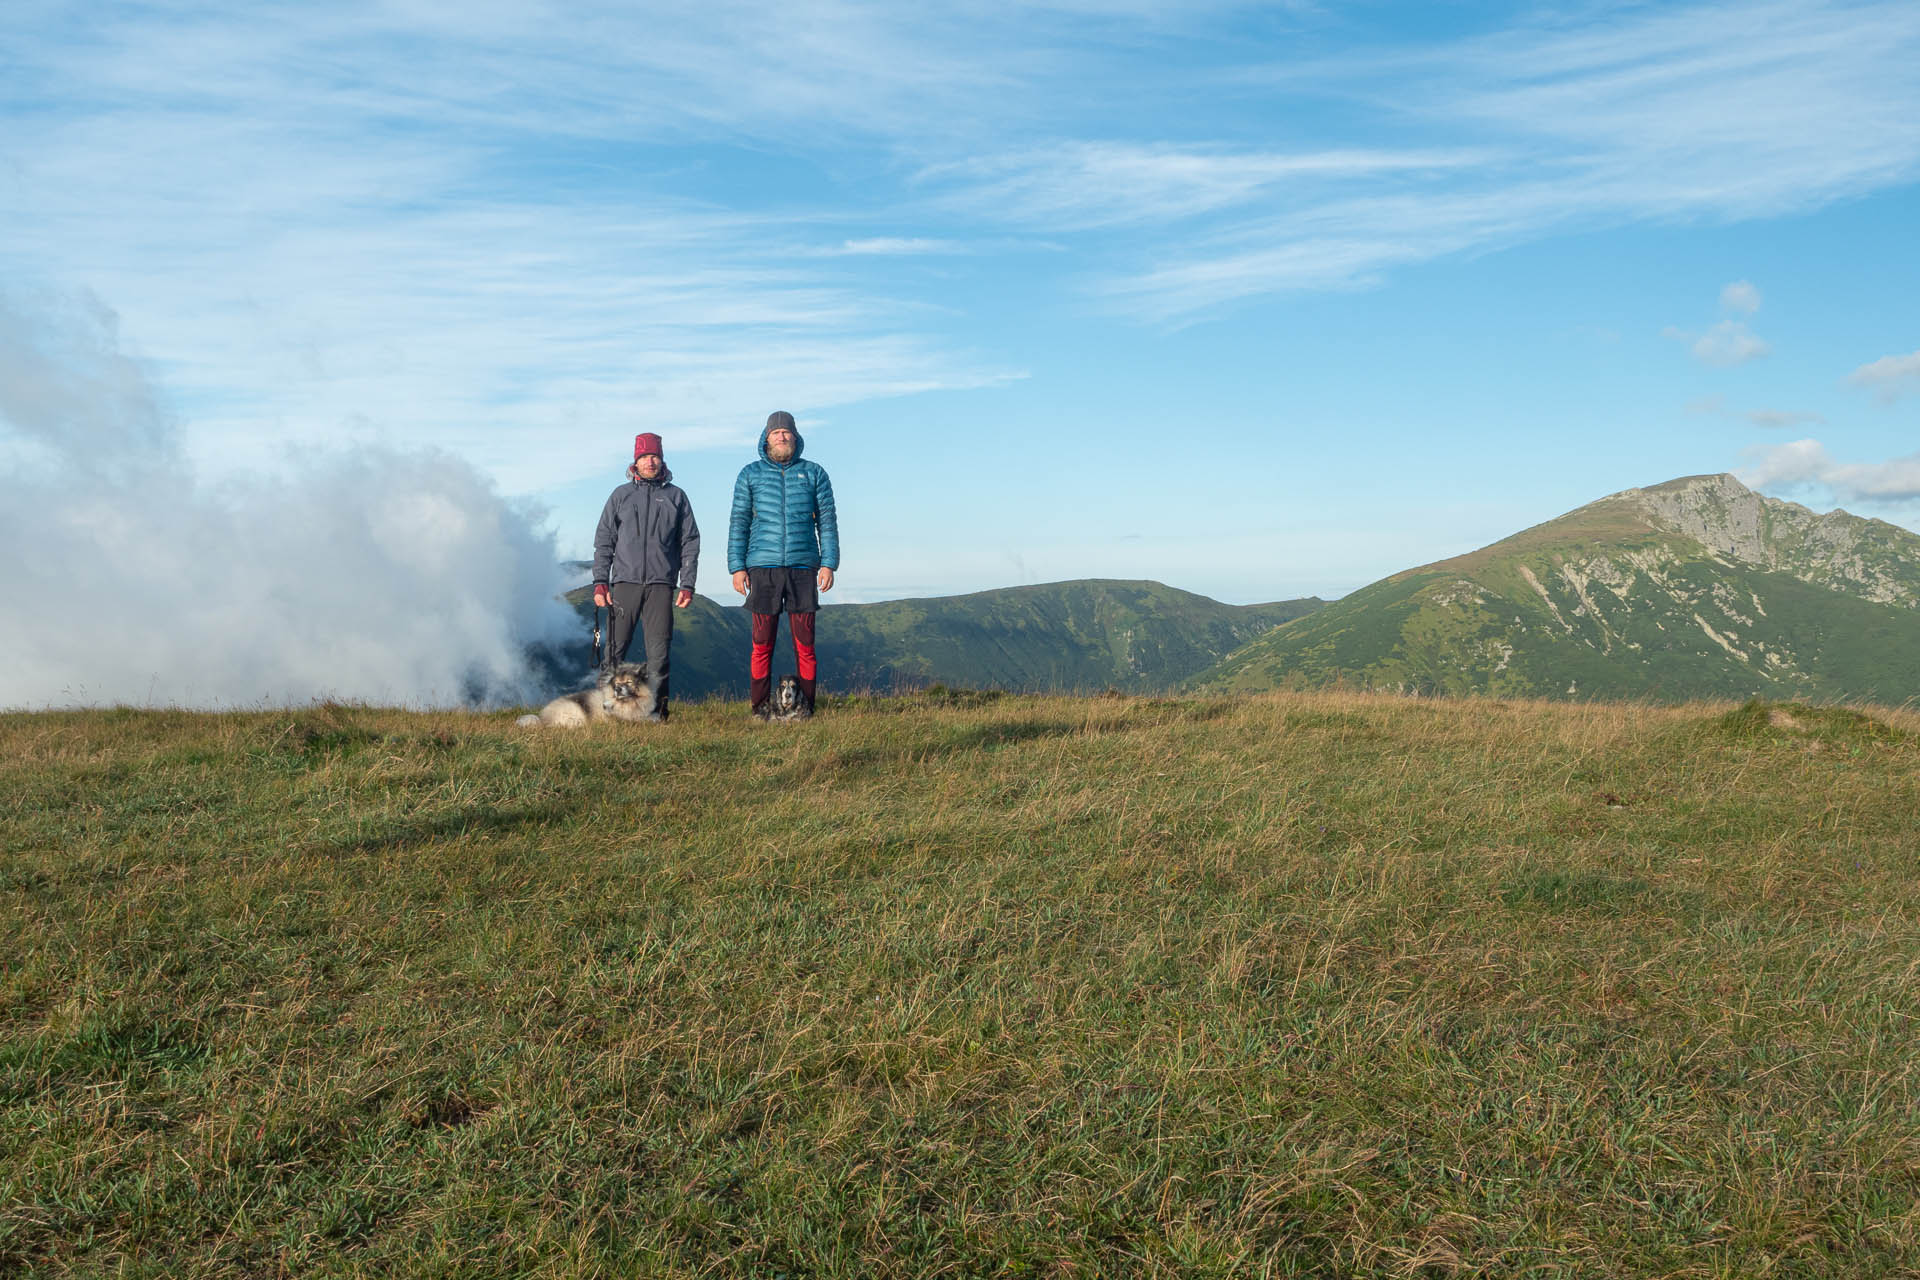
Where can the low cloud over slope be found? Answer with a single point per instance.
(360, 574)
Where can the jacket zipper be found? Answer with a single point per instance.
(786, 530)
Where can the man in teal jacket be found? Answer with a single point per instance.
(783, 544)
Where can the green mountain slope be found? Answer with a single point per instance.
(1060, 636)
(1139, 637)
(1694, 588)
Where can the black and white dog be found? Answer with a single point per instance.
(787, 702)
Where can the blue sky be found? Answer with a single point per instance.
(1259, 300)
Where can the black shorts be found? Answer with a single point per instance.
(792, 590)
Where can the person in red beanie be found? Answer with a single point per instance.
(645, 554)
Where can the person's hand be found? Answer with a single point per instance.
(825, 578)
(684, 599)
(740, 582)
(599, 595)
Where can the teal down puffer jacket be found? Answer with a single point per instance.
(783, 515)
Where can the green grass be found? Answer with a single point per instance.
(1316, 984)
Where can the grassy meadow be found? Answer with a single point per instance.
(953, 985)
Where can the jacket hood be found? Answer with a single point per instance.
(799, 445)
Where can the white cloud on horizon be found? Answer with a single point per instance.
(1803, 463)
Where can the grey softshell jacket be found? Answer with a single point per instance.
(647, 534)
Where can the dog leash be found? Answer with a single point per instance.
(602, 643)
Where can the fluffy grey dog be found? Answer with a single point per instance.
(621, 694)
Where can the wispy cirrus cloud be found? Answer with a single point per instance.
(232, 118)
(472, 229)
(498, 67)
(516, 334)
(892, 247)
(502, 233)
(1089, 185)
(314, 233)
(1713, 111)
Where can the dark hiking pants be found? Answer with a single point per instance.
(650, 604)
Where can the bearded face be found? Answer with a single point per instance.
(780, 446)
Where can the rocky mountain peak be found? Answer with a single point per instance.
(1833, 549)
(1721, 514)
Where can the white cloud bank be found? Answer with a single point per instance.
(1806, 462)
(370, 574)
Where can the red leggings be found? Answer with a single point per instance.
(766, 626)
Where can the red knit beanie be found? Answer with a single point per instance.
(647, 442)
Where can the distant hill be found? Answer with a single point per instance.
(1088, 634)
(1694, 588)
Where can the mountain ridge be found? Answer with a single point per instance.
(1658, 592)
(1077, 635)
